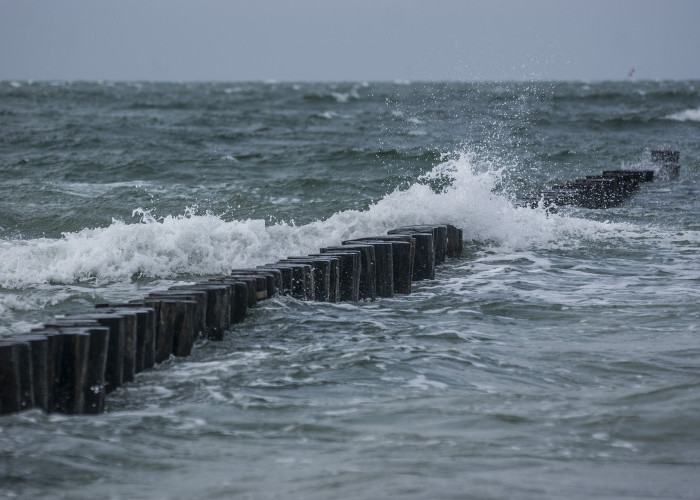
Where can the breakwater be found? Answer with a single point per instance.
(71, 363)
(609, 189)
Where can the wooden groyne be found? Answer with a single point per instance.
(609, 189)
(70, 364)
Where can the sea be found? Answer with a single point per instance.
(557, 357)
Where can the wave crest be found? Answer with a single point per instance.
(459, 190)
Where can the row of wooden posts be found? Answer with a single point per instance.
(608, 189)
(71, 363)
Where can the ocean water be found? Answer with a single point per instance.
(558, 357)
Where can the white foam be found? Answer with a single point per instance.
(340, 97)
(422, 383)
(90, 190)
(692, 115)
(209, 245)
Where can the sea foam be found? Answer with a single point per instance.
(206, 244)
(692, 115)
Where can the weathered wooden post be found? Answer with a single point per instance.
(175, 326)
(352, 287)
(334, 276)
(130, 342)
(454, 241)
(384, 264)
(298, 279)
(263, 283)
(252, 284)
(14, 378)
(284, 286)
(38, 347)
(217, 316)
(69, 392)
(273, 278)
(424, 253)
(348, 273)
(164, 303)
(146, 325)
(54, 347)
(302, 279)
(240, 302)
(94, 390)
(321, 275)
(368, 281)
(239, 297)
(145, 335)
(173, 336)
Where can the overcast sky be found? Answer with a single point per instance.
(308, 40)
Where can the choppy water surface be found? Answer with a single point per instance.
(558, 357)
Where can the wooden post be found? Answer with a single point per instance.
(239, 297)
(176, 323)
(260, 280)
(368, 282)
(439, 233)
(297, 279)
(351, 271)
(54, 352)
(424, 256)
(38, 347)
(69, 392)
(334, 276)
(145, 330)
(252, 285)
(284, 286)
(95, 390)
(130, 343)
(12, 378)
(302, 279)
(349, 262)
(218, 306)
(453, 241)
(273, 278)
(201, 311)
(321, 275)
(384, 264)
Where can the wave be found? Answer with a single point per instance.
(692, 115)
(457, 191)
(334, 95)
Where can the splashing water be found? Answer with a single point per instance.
(207, 244)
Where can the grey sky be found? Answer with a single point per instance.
(305, 40)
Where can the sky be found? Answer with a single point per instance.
(353, 40)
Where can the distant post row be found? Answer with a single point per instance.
(609, 189)
(71, 363)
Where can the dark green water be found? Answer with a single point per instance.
(559, 357)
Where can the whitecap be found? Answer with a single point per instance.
(340, 97)
(692, 115)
